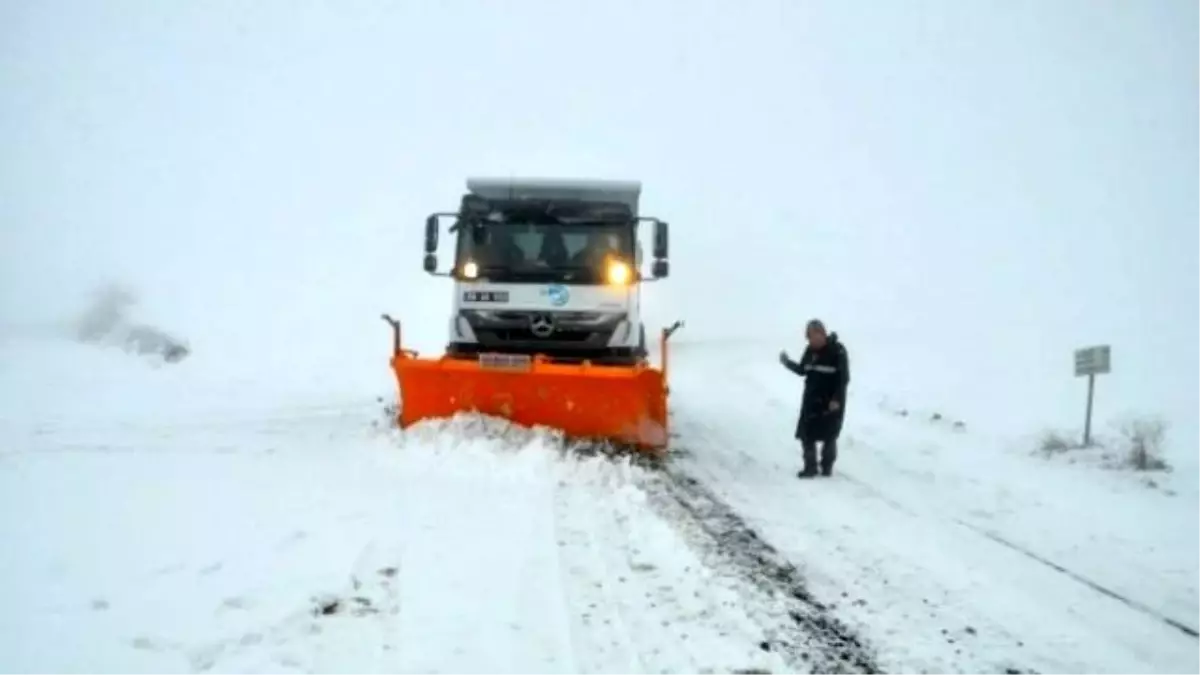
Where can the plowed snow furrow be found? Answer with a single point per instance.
(645, 601)
(598, 635)
(586, 537)
(801, 627)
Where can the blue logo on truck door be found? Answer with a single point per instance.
(558, 294)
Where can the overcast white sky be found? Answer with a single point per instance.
(971, 189)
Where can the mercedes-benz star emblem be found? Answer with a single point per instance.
(542, 325)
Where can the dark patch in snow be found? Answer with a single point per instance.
(355, 606)
(816, 641)
(389, 414)
(369, 595)
(169, 569)
(250, 639)
(934, 417)
(106, 323)
(234, 603)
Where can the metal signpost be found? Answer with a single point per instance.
(1091, 361)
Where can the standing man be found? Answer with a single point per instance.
(825, 367)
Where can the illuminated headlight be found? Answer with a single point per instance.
(470, 270)
(618, 273)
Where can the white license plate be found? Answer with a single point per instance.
(506, 361)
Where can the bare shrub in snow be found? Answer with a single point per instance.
(1144, 441)
(1137, 446)
(106, 322)
(106, 313)
(1055, 443)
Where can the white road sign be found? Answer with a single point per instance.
(1093, 360)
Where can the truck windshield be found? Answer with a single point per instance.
(566, 253)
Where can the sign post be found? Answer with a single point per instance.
(1091, 361)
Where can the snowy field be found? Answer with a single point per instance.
(965, 192)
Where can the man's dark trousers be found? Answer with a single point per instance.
(820, 426)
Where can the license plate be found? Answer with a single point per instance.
(506, 361)
(485, 296)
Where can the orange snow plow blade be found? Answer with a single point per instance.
(626, 405)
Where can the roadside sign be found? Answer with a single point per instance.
(1093, 360)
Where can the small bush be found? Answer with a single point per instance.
(1054, 443)
(106, 322)
(1144, 439)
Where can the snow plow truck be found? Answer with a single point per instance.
(545, 328)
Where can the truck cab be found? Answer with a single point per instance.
(549, 267)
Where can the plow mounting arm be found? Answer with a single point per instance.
(397, 347)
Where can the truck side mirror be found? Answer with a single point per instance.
(660, 268)
(431, 263)
(431, 237)
(660, 239)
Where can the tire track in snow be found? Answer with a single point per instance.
(1130, 602)
(810, 637)
(591, 608)
(643, 600)
(998, 539)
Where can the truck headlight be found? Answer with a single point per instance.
(470, 270)
(618, 273)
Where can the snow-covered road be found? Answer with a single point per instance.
(950, 553)
(314, 538)
(162, 520)
(306, 546)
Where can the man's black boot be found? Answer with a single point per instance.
(810, 460)
(828, 456)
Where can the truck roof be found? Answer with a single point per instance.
(625, 192)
